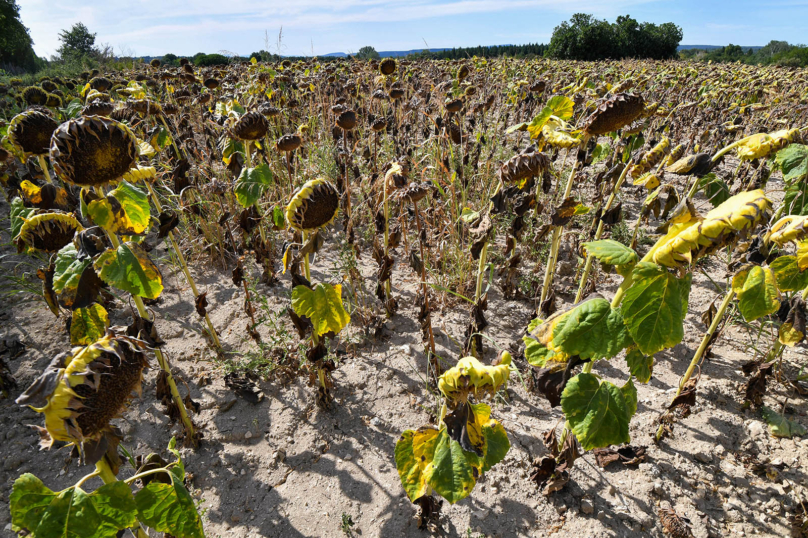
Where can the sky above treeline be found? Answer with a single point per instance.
(185, 27)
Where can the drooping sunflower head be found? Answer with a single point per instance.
(30, 132)
(53, 100)
(155, 63)
(48, 85)
(346, 120)
(387, 66)
(791, 228)
(101, 84)
(91, 151)
(48, 231)
(289, 142)
(98, 108)
(251, 126)
(313, 206)
(81, 391)
(614, 113)
(34, 95)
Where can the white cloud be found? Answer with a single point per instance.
(157, 26)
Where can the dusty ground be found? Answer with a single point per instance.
(283, 468)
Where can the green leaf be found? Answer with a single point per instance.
(793, 160)
(796, 198)
(654, 308)
(593, 329)
(68, 269)
(630, 394)
(72, 109)
(715, 189)
(611, 252)
(450, 473)
(323, 305)
(633, 143)
(601, 152)
(124, 210)
(251, 184)
(17, 213)
(802, 255)
(497, 444)
(28, 501)
(169, 508)
(788, 275)
(414, 452)
(89, 325)
(780, 426)
(518, 127)
(639, 364)
(129, 268)
(596, 411)
(179, 468)
(757, 292)
(278, 218)
(71, 513)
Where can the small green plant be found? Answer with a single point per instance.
(346, 526)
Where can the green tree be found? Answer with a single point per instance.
(77, 42)
(367, 53)
(16, 46)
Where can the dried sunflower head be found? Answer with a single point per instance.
(48, 231)
(523, 166)
(289, 142)
(313, 206)
(614, 113)
(251, 126)
(81, 391)
(30, 132)
(34, 95)
(91, 151)
(98, 108)
(387, 66)
(788, 229)
(346, 120)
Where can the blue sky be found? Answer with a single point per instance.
(185, 27)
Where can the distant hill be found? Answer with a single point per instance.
(711, 47)
(387, 53)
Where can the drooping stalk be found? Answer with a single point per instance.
(184, 265)
(306, 270)
(599, 232)
(161, 360)
(386, 237)
(425, 288)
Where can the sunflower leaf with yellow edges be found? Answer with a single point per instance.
(756, 288)
(89, 324)
(788, 274)
(591, 329)
(72, 512)
(450, 474)
(654, 307)
(124, 210)
(129, 268)
(802, 255)
(169, 508)
(322, 305)
(251, 184)
(414, 452)
(596, 411)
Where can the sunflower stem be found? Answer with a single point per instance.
(599, 232)
(161, 360)
(553, 256)
(184, 265)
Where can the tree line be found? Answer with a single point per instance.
(780, 53)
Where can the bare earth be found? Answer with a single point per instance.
(284, 468)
